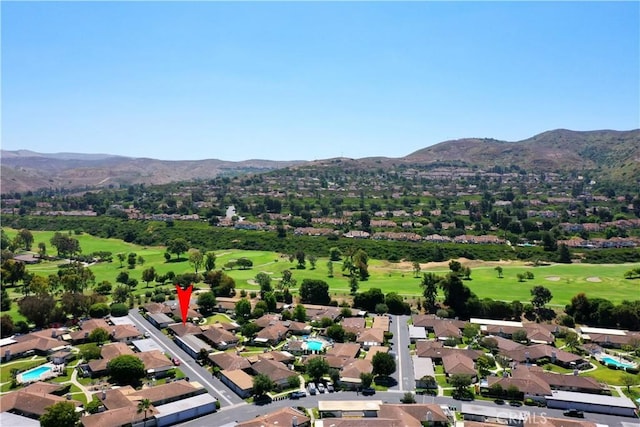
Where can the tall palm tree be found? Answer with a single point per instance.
(143, 406)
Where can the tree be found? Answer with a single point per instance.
(121, 257)
(293, 381)
(366, 379)
(314, 292)
(353, 284)
(144, 406)
(572, 340)
(408, 398)
(6, 326)
(26, 238)
(300, 313)
(37, 309)
(416, 268)
(336, 332)
(196, 259)
(312, 260)
(206, 303)
(564, 255)
(264, 281)
(329, 268)
(123, 277)
(209, 261)
(540, 297)
(317, 368)
(148, 275)
(335, 254)
(456, 294)
(369, 299)
(519, 335)
(395, 304)
(301, 258)
(430, 283)
(628, 380)
(455, 267)
(61, 414)
(39, 285)
(132, 258)
(178, 246)
(499, 270)
(13, 271)
(471, 331)
(99, 309)
(121, 293)
(271, 301)
(99, 335)
(360, 261)
(384, 364)
(243, 309)
(461, 383)
(126, 369)
(262, 385)
(5, 301)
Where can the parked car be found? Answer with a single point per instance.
(297, 394)
(321, 388)
(312, 389)
(330, 388)
(147, 335)
(574, 413)
(369, 391)
(176, 361)
(499, 402)
(515, 403)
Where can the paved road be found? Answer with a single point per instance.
(188, 365)
(228, 416)
(404, 365)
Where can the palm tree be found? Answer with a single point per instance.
(143, 406)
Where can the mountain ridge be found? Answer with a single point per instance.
(609, 154)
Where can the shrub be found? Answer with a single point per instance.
(119, 310)
(99, 310)
(159, 298)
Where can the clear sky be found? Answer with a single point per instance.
(297, 80)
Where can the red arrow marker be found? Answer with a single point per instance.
(184, 296)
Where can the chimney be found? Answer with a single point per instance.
(104, 394)
(68, 396)
(575, 372)
(294, 421)
(54, 334)
(554, 355)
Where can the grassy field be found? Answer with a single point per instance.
(564, 281)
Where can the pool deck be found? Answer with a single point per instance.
(44, 376)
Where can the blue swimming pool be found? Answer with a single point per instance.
(611, 361)
(35, 373)
(315, 345)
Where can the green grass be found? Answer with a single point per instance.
(396, 277)
(609, 376)
(22, 365)
(218, 318)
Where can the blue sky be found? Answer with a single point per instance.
(295, 80)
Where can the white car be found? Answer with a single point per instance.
(321, 387)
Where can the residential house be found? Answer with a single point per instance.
(381, 322)
(42, 343)
(353, 325)
(375, 349)
(317, 312)
(298, 328)
(424, 372)
(370, 337)
(417, 333)
(344, 350)
(155, 363)
(229, 361)
(181, 329)
(192, 345)
(458, 363)
(220, 338)
(271, 335)
(283, 417)
(124, 333)
(32, 400)
(160, 320)
(277, 371)
(97, 368)
(350, 373)
(239, 381)
(541, 353)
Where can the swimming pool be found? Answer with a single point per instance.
(34, 374)
(611, 361)
(315, 345)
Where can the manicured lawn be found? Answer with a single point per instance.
(564, 281)
(22, 365)
(609, 376)
(218, 318)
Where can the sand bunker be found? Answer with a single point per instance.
(594, 279)
(553, 278)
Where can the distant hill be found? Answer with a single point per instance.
(610, 155)
(24, 170)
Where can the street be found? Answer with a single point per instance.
(401, 343)
(188, 365)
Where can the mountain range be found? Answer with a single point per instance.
(607, 154)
